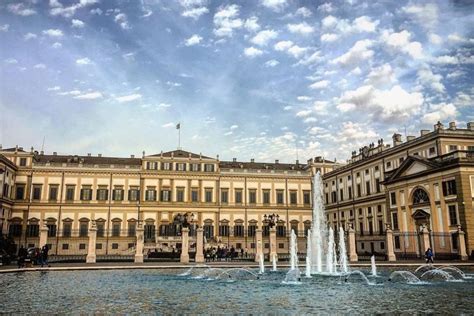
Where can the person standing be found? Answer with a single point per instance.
(44, 256)
(22, 253)
(429, 255)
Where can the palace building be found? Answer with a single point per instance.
(228, 199)
(422, 186)
(420, 190)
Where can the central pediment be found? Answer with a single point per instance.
(411, 166)
(179, 153)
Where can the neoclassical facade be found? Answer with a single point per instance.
(422, 186)
(228, 199)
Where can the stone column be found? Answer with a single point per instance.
(91, 256)
(426, 238)
(259, 244)
(43, 235)
(352, 245)
(462, 245)
(273, 244)
(140, 244)
(199, 245)
(389, 244)
(184, 245)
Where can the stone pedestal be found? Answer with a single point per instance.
(462, 245)
(258, 244)
(184, 245)
(43, 236)
(273, 244)
(140, 244)
(389, 244)
(91, 256)
(353, 257)
(199, 246)
(425, 237)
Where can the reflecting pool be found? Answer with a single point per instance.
(200, 291)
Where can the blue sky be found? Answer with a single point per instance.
(266, 79)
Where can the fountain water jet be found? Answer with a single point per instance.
(361, 274)
(262, 265)
(330, 264)
(294, 275)
(342, 252)
(407, 276)
(318, 226)
(274, 263)
(374, 267)
(308, 254)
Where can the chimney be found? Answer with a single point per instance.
(32, 149)
(89, 154)
(132, 156)
(252, 160)
(217, 157)
(438, 126)
(410, 138)
(297, 162)
(42, 152)
(470, 126)
(55, 153)
(452, 126)
(234, 159)
(277, 161)
(397, 139)
(424, 132)
(99, 155)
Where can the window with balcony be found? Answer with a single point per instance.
(224, 230)
(67, 229)
(116, 225)
(251, 229)
(239, 230)
(32, 229)
(100, 224)
(280, 230)
(83, 228)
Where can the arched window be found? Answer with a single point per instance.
(420, 197)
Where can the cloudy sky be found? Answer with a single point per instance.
(264, 79)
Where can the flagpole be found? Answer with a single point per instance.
(179, 137)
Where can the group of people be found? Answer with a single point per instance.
(223, 254)
(35, 255)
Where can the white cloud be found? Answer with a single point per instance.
(252, 52)
(304, 12)
(301, 28)
(39, 66)
(359, 52)
(129, 98)
(58, 9)
(313, 58)
(329, 37)
(122, 20)
(395, 103)
(72, 92)
(226, 20)
(297, 51)
(251, 24)
(455, 74)
(346, 107)
(320, 84)
(401, 42)
(427, 78)
(20, 9)
(96, 11)
(272, 63)
(456, 38)
(435, 39)
(263, 37)
(29, 36)
(287, 108)
(446, 60)
(365, 24)
(303, 98)
(57, 45)
(173, 84)
(382, 75)
(53, 33)
(326, 7)
(77, 23)
(440, 112)
(195, 13)
(193, 40)
(234, 127)
(164, 105)
(83, 61)
(283, 45)
(168, 125)
(463, 99)
(426, 15)
(329, 22)
(303, 113)
(89, 96)
(11, 61)
(275, 5)
(4, 27)
(55, 88)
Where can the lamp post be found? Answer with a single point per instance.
(181, 221)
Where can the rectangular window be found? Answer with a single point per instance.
(115, 229)
(395, 221)
(180, 195)
(449, 187)
(307, 197)
(453, 148)
(32, 230)
(341, 194)
(361, 228)
(166, 166)
(453, 216)
(369, 210)
(86, 193)
(359, 193)
(432, 151)
(181, 166)
(251, 230)
(397, 242)
(117, 194)
(37, 192)
(194, 195)
(82, 246)
(209, 167)
(22, 162)
(133, 194)
(280, 197)
(381, 228)
(115, 246)
(224, 230)
(98, 246)
(367, 187)
(83, 229)
(67, 227)
(238, 196)
(371, 228)
(266, 197)
(293, 198)
(51, 230)
(195, 167)
(20, 192)
(65, 246)
(150, 194)
(225, 196)
(100, 229)
(389, 164)
(239, 231)
(349, 190)
(69, 192)
(165, 195)
(252, 196)
(333, 197)
(208, 195)
(53, 193)
(281, 231)
(393, 198)
(102, 194)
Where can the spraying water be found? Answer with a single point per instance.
(342, 252)
(374, 267)
(330, 254)
(318, 227)
(294, 275)
(308, 254)
(274, 263)
(262, 265)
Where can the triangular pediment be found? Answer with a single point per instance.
(411, 166)
(179, 153)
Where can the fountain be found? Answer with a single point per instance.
(274, 263)
(342, 252)
(294, 275)
(374, 267)
(359, 273)
(261, 264)
(308, 254)
(436, 274)
(330, 264)
(407, 276)
(318, 227)
(455, 272)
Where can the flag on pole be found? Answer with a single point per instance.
(178, 126)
